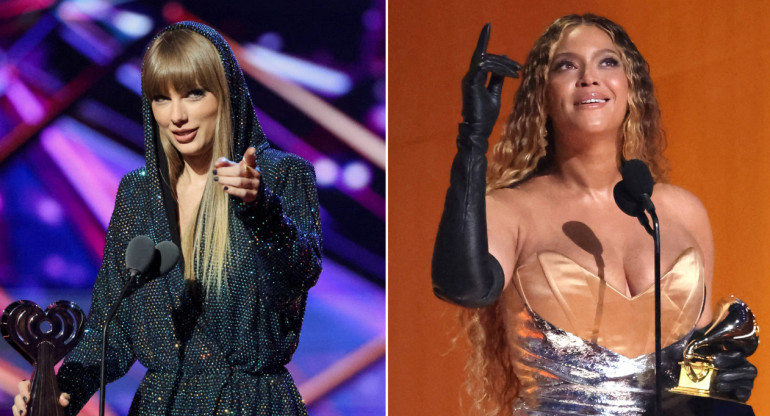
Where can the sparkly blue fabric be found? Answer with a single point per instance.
(206, 354)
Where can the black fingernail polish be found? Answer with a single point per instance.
(216, 178)
(214, 172)
(26, 399)
(226, 188)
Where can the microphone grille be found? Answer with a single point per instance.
(637, 178)
(625, 202)
(169, 255)
(140, 253)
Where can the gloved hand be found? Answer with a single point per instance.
(735, 375)
(463, 271)
(481, 103)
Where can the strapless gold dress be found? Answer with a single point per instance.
(581, 347)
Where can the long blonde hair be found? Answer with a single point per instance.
(526, 149)
(185, 60)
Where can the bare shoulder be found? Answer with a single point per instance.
(511, 202)
(680, 202)
(686, 209)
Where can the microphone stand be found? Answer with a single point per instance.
(649, 207)
(133, 274)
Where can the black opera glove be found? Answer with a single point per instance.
(735, 375)
(463, 271)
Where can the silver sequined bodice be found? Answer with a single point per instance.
(562, 374)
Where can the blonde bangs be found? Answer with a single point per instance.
(184, 61)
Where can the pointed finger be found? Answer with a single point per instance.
(481, 45)
(250, 157)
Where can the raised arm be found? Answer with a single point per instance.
(463, 270)
(285, 221)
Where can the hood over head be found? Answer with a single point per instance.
(246, 130)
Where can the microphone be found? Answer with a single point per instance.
(143, 259)
(638, 182)
(169, 256)
(631, 206)
(632, 195)
(139, 255)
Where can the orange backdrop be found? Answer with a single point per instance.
(709, 63)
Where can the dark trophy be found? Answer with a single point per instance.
(43, 338)
(734, 329)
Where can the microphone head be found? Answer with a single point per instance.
(139, 254)
(169, 255)
(626, 202)
(637, 179)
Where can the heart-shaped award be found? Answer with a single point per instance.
(43, 338)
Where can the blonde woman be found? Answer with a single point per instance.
(557, 279)
(217, 330)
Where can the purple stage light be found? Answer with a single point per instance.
(58, 268)
(27, 106)
(356, 175)
(130, 76)
(271, 40)
(90, 40)
(316, 77)
(373, 20)
(5, 78)
(49, 211)
(98, 188)
(326, 171)
(94, 112)
(54, 266)
(337, 282)
(31, 38)
(132, 24)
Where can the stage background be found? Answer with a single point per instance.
(709, 63)
(70, 115)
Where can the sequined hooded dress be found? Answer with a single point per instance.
(208, 355)
(580, 347)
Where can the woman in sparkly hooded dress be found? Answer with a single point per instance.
(557, 281)
(216, 331)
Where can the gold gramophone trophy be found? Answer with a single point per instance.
(734, 329)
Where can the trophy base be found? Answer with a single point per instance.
(701, 386)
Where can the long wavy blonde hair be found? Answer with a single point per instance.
(185, 60)
(526, 149)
